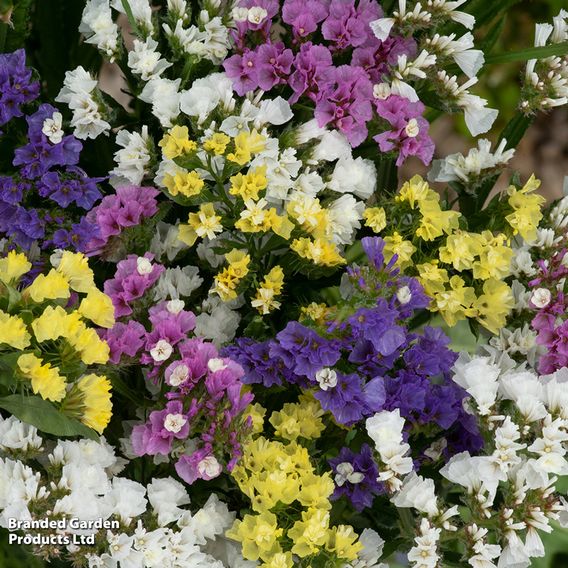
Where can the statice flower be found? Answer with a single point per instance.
(355, 476)
(16, 85)
(408, 135)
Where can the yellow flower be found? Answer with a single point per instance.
(314, 311)
(460, 250)
(432, 277)
(188, 184)
(415, 192)
(342, 540)
(375, 218)
(494, 305)
(280, 560)
(258, 535)
(295, 420)
(434, 221)
(56, 322)
(526, 206)
(265, 301)
(96, 399)
(176, 143)
(316, 490)
(395, 244)
(320, 252)
(274, 280)
(204, 223)
(310, 534)
(54, 286)
(246, 145)
(247, 186)
(98, 308)
(256, 413)
(280, 224)
(75, 267)
(90, 346)
(456, 303)
(228, 279)
(254, 218)
(238, 263)
(308, 212)
(494, 258)
(45, 379)
(216, 143)
(13, 266)
(13, 331)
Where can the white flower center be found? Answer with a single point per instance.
(216, 364)
(256, 15)
(209, 466)
(174, 422)
(175, 306)
(161, 351)
(143, 265)
(412, 129)
(52, 128)
(327, 378)
(381, 91)
(404, 295)
(541, 297)
(179, 375)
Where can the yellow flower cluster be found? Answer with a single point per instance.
(270, 288)
(227, 281)
(526, 207)
(215, 175)
(465, 276)
(275, 475)
(53, 338)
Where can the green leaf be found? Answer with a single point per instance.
(44, 416)
(558, 49)
(492, 36)
(131, 19)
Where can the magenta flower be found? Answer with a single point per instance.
(273, 65)
(409, 130)
(313, 72)
(304, 15)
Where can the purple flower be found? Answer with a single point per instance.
(242, 70)
(351, 399)
(202, 464)
(124, 339)
(313, 72)
(273, 65)
(346, 103)
(304, 351)
(409, 130)
(16, 86)
(347, 26)
(355, 477)
(304, 15)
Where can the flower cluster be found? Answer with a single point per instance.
(277, 475)
(45, 168)
(199, 421)
(47, 342)
(150, 524)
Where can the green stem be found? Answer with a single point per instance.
(555, 49)
(3, 35)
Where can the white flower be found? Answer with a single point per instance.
(119, 545)
(381, 91)
(308, 131)
(166, 495)
(179, 375)
(347, 474)
(541, 297)
(479, 377)
(418, 493)
(141, 10)
(174, 422)
(175, 306)
(345, 215)
(143, 266)
(209, 467)
(99, 28)
(326, 378)
(424, 552)
(385, 428)
(175, 282)
(216, 41)
(217, 322)
(256, 15)
(166, 242)
(333, 145)
(372, 549)
(404, 295)
(16, 435)
(357, 176)
(205, 94)
(215, 364)
(52, 128)
(127, 498)
(211, 521)
(145, 61)
(161, 351)
(273, 111)
(164, 97)
(134, 157)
